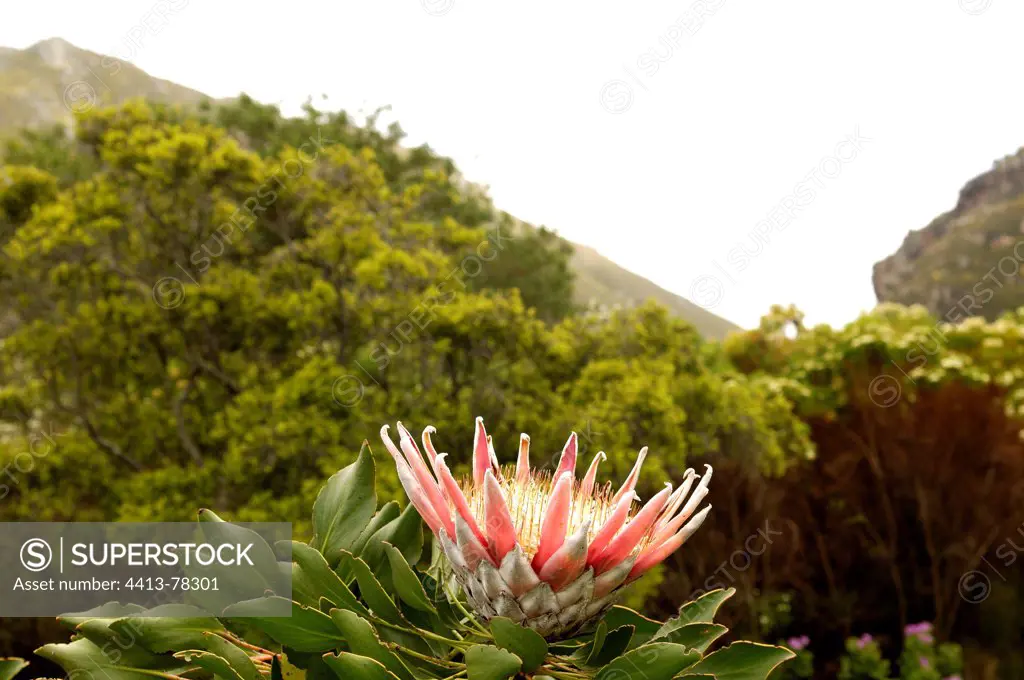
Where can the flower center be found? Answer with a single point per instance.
(528, 500)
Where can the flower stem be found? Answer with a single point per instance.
(472, 619)
(242, 643)
(423, 657)
(419, 631)
(565, 670)
(561, 675)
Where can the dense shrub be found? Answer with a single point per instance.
(915, 486)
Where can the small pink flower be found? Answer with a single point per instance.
(544, 549)
(922, 631)
(798, 643)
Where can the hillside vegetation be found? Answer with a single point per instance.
(49, 81)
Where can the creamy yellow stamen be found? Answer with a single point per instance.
(528, 500)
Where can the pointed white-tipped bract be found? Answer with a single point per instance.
(543, 550)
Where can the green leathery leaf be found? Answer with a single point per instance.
(697, 636)
(406, 583)
(311, 664)
(83, 660)
(405, 532)
(371, 590)
(217, 665)
(110, 610)
(615, 643)
(644, 628)
(304, 590)
(388, 512)
(701, 610)
(527, 644)
(234, 655)
(306, 630)
(426, 621)
(589, 652)
(207, 515)
(413, 642)
(326, 582)
(362, 639)
(241, 581)
(484, 662)
(263, 555)
(11, 667)
(347, 665)
(344, 506)
(653, 661)
(276, 672)
(168, 628)
(282, 669)
(409, 641)
(447, 618)
(119, 645)
(742, 661)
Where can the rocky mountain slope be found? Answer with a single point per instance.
(967, 261)
(47, 82)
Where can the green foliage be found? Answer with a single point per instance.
(902, 409)
(923, 659)
(920, 659)
(527, 644)
(9, 668)
(800, 667)
(916, 352)
(742, 661)
(342, 510)
(22, 188)
(358, 629)
(53, 150)
(535, 261)
(863, 661)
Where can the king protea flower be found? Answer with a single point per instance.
(543, 549)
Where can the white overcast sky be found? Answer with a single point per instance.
(660, 133)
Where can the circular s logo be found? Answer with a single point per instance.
(974, 587)
(616, 96)
(707, 291)
(36, 554)
(884, 391)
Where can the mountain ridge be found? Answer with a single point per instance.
(48, 81)
(955, 265)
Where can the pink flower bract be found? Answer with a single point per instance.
(547, 550)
